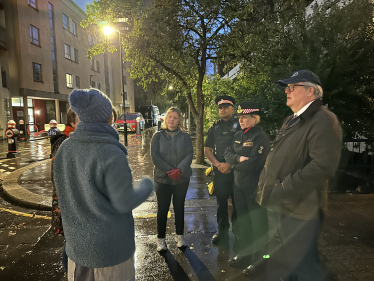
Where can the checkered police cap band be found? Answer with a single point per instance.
(249, 110)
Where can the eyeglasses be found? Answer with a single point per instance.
(291, 87)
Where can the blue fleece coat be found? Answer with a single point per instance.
(94, 186)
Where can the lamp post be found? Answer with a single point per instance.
(108, 30)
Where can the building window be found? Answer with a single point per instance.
(67, 51)
(124, 80)
(50, 14)
(97, 66)
(92, 64)
(69, 80)
(53, 49)
(76, 55)
(73, 28)
(99, 86)
(37, 71)
(90, 40)
(3, 78)
(125, 95)
(34, 35)
(77, 82)
(93, 84)
(32, 3)
(65, 21)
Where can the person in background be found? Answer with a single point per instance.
(72, 121)
(171, 151)
(94, 185)
(219, 137)
(293, 184)
(247, 156)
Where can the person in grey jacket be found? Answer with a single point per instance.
(94, 185)
(171, 151)
(293, 184)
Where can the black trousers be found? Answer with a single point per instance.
(164, 192)
(294, 246)
(253, 226)
(224, 189)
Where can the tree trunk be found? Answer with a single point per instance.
(199, 119)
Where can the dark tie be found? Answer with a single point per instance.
(293, 120)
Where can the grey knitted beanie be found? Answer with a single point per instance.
(91, 105)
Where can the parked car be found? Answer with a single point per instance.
(130, 122)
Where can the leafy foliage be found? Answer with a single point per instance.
(334, 40)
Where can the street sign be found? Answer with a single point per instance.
(9, 133)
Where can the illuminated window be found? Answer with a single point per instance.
(69, 80)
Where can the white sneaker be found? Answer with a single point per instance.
(180, 241)
(161, 244)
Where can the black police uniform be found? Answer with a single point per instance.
(252, 219)
(219, 137)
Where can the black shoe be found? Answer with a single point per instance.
(254, 269)
(221, 238)
(240, 261)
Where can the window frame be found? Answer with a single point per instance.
(34, 72)
(76, 55)
(29, 2)
(73, 27)
(67, 21)
(77, 82)
(32, 35)
(67, 55)
(71, 80)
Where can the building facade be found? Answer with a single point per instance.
(43, 57)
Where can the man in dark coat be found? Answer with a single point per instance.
(219, 137)
(293, 184)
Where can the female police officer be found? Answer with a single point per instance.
(247, 156)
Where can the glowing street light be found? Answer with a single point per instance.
(108, 30)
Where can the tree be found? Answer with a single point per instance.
(173, 40)
(334, 40)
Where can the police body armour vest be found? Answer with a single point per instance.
(224, 132)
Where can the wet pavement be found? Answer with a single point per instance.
(30, 251)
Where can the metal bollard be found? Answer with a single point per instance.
(138, 129)
(12, 133)
(125, 129)
(53, 128)
(22, 131)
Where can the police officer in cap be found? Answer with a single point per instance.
(219, 137)
(247, 156)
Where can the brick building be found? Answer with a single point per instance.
(43, 58)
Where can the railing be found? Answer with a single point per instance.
(358, 154)
(356, 168)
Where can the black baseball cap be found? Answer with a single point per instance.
(224, 100)
(300, 76)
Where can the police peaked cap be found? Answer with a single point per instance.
(248, 107)
(224, 100)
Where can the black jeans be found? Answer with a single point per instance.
(253, 226)
(224, 189)
(164, 193)
(294, 247)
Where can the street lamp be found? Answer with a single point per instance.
(107, 31)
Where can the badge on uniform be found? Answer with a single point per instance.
(261, 148)
(224, 133)
(248, 143)
(237, 141)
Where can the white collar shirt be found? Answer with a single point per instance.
(301, 111)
